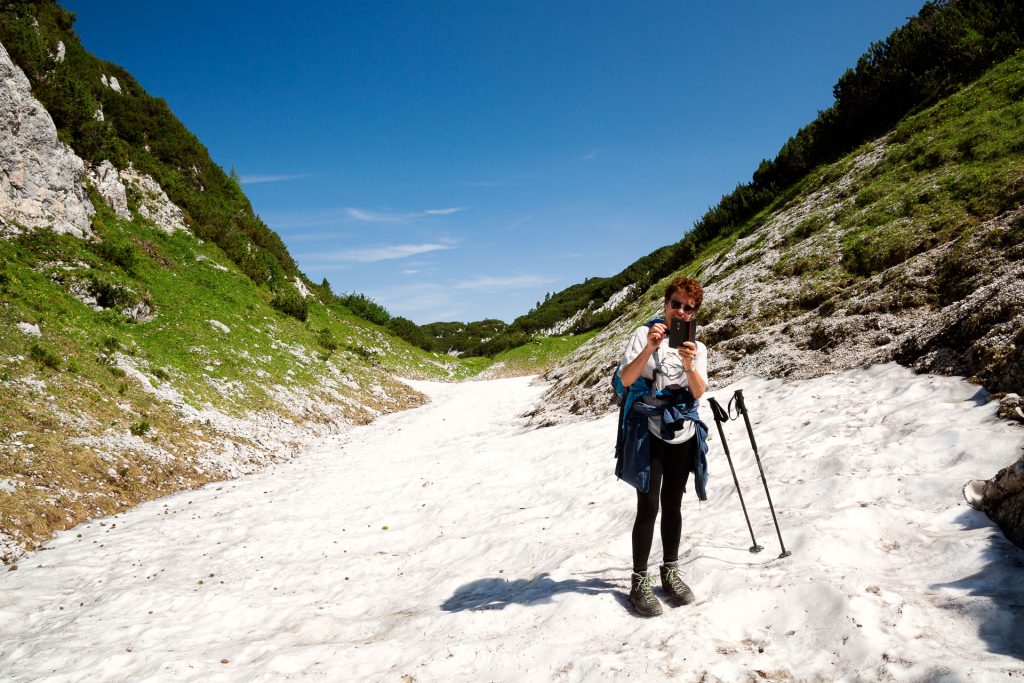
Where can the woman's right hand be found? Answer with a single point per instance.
(654, 337)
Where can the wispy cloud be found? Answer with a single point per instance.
(253, 179)
(591, 155)
(516, 223)
(488, 283)
(369, 216)
(386, 252)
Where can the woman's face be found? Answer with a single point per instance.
(680, 305)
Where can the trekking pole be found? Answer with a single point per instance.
(742, 408)
(722, 416)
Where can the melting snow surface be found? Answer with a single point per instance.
(446, 543)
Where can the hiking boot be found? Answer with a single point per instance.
(642, 596)
(678, 592)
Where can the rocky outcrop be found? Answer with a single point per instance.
(40, 177)
(107, 182)
(154, 204)
(771, 311)
(1002, 499)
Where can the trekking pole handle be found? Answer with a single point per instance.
(740, 403)
(718, 411)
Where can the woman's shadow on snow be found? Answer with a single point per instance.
(1001, 622)
(499, 593)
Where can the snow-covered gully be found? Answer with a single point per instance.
(449, 543)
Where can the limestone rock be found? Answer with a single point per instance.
(1002, 499)
(303, 289)
(108, 183)
(110, 82)
(40, 177)
(1011, 407)
(154, 204)
(30, 329)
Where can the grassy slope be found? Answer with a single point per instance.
(81, 437)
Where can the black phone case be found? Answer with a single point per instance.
(682, 331)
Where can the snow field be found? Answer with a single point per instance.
(448, 543)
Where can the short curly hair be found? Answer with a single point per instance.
(686, 286)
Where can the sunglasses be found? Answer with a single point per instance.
(687, 308)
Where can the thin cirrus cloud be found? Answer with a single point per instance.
(591, 155)
(487, 283)
(368, 216)
(386, 252)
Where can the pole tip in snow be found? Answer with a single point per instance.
(784, 553)
(756, 548)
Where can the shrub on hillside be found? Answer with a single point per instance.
(44, 356)
(119, 253)
(290, 302)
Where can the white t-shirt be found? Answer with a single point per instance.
(670, 371)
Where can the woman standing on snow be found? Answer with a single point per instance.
(678, 376)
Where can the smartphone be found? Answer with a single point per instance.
(682, 331)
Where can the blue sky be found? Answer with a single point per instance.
(457, 160)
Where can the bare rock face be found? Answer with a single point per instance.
(40, 177)
(1002, 499)
(108, 183)
(154, 204)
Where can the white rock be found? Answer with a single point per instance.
(218, 325)
(61, 50)
(303, 289)
(40, 177)
(154, 204)
(107, 182)
(8, 485)
(110, 82)
(98, 114)
(30, 329)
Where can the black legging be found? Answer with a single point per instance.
(671, 465)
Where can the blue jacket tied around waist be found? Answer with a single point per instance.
(632, 447)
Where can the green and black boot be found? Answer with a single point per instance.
(642, 596)
(678, 592)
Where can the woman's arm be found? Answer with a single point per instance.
(632, 371)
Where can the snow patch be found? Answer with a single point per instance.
(490, 581)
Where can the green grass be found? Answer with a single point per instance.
(540, 354)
